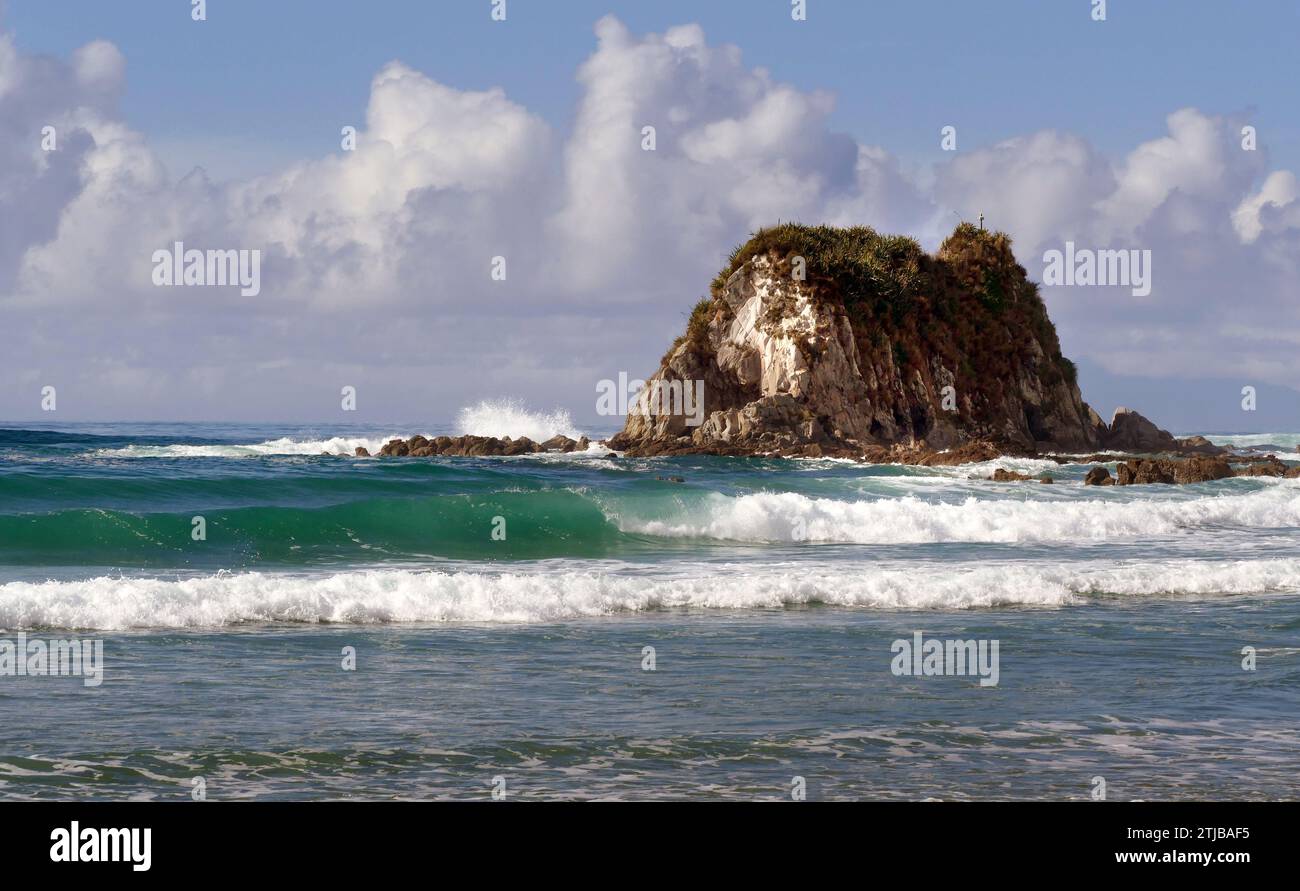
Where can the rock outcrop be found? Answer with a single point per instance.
(1187, 469)
(1165, 470)
(1131, 432)
(825, 342)
(819, 341)
(1098, 476)
(473, 446)
(1015, 476)
(844, 340)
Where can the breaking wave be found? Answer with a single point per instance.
(394, 596)
(790, 517)
(337, 445)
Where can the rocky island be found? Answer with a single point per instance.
(817, 341)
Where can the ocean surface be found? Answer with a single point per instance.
(580, 626)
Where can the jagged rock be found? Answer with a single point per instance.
(1200, 444)
(521, 446)
(849, 358)
(362, 452)
(1201, 469)
(559, 443)
(1098, 476)
(1014, 476)
(1131, 432)
(422, 447)
(1195, 469)
(970, 453)
(480, 446)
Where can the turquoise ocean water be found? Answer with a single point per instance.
(501, 611)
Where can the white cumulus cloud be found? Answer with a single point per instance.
(376, 262)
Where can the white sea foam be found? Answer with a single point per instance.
(386, 596)
(1285, 445)
(984, 469)
(509, 417)
(788, 516)
(338, 445)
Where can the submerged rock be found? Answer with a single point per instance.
(1014, 476)
(1269, 466)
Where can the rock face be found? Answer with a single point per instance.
(843, 339)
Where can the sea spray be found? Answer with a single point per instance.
(510, 417)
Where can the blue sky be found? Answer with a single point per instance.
(272, 80)
(520, 139)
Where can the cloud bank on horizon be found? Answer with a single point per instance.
(377, 263)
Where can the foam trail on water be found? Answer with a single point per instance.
(509, 417)
(387, 596)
